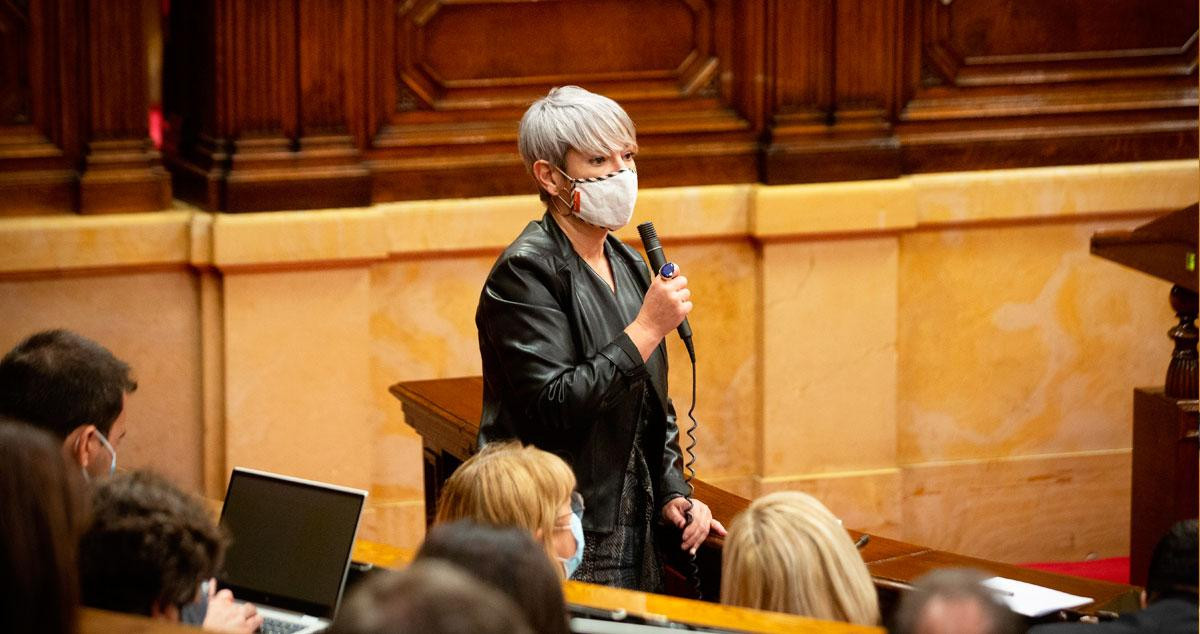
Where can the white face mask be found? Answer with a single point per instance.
(604, 201)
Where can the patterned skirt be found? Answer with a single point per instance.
(626, 557)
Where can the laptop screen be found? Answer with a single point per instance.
(290, 541)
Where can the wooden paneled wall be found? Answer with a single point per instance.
(289, 104)
(73, 109)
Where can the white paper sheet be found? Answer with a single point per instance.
(1033, 601)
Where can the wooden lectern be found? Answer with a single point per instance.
(1165, 451)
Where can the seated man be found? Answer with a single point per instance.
(147, 550)
(72, 387)
(954, 601)
(1169, 600)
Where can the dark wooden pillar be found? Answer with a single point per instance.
(39, 132)
(122, 172)
(831, 79)
(261, 97)
(1164, 472)
(73, 109)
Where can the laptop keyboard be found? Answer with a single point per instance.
(275, 626)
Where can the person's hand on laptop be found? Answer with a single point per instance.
(224, 615)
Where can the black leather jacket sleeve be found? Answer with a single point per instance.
(673, 485)
(525, 322)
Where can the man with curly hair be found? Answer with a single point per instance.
(147, 550)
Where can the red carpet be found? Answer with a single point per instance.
(1115, 569)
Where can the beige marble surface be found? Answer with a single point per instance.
(150, 319)
(1066, 507)
(724, 283)
(297, 375)
(829, 356)
(1015, 341)
(870, 500)
(929, 354)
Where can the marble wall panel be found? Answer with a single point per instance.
(1064, 507)
(1015, 341)
(933, 360)
(869, 501)
(297, 375)
(828, 356)
(724, 283)
(422, 326)
(150, 319)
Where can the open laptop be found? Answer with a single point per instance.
(290, 547)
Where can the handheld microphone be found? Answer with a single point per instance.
(654, 252)
(658, 262)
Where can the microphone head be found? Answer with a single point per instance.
(649, 236)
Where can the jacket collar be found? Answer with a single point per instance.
(571, 260)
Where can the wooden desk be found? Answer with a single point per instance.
(652, 607)
(93, 621)
(446, 413)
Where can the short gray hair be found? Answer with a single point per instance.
(569, 117)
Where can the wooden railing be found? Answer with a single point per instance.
(446, 413)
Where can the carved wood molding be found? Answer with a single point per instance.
(464, 72)
(39, 134)
(269, 101)
(1029, 83)
(73, 109)
(926, 85)
(290, 104)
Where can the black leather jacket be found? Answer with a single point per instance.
(555, 379)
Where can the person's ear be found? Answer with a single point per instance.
(546, 176)
(79, 451)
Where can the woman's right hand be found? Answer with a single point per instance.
(667, 303)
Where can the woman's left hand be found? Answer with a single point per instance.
(702, 522)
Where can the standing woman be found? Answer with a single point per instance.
(571, 330)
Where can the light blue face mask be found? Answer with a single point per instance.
(112, 467)
(571, 564)
(194, 612)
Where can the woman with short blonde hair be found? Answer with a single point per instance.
(788, 553)
(507, 484)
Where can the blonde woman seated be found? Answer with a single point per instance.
(788, 553)
(506, 484)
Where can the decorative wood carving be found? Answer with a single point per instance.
(287, 104)
(263, 96)
(73, 109)
(15, 90)
(122, 172)
(462, 73)
(832, 68)
(39, 136)
(1017, 83)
